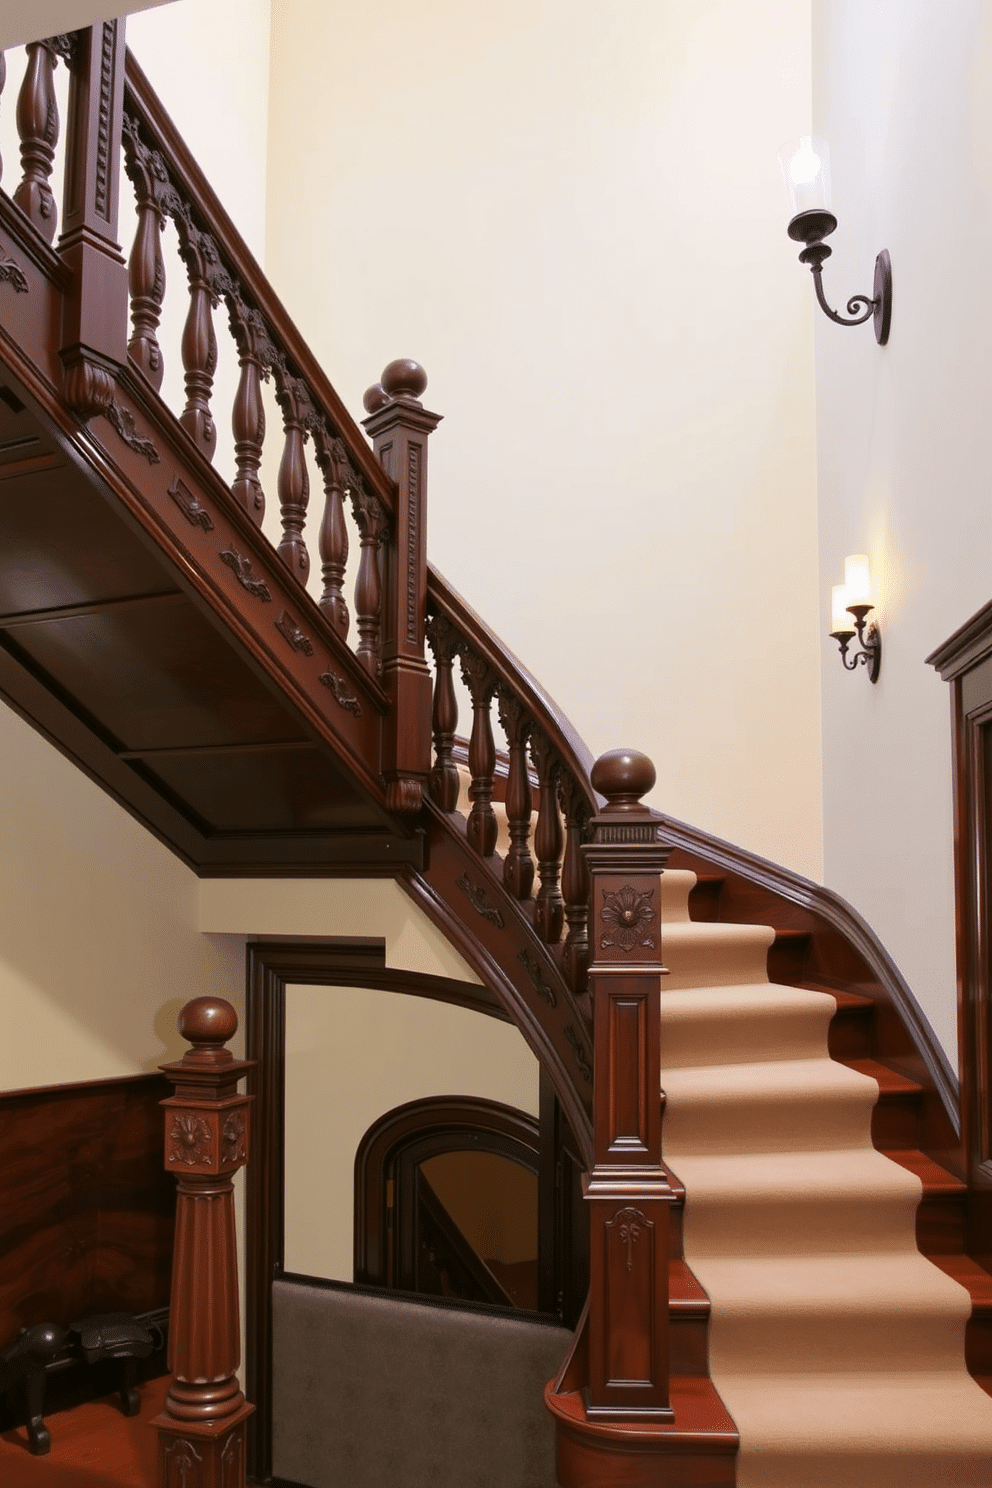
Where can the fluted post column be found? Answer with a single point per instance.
(202, 1426)
(629, 1196)
(400, 426)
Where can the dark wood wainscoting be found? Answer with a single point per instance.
(86, 1209)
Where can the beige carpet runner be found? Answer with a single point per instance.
(837, 1348)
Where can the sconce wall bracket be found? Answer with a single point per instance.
(811, 228)
(869, 638)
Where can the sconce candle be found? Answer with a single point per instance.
(806, 168)
(850, 603)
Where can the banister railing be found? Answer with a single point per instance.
(533, 726)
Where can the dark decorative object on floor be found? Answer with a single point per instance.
(116, 1335)
(26, 1359)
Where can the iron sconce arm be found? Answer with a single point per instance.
(810, 228)
(869, 639)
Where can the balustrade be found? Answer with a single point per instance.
(38, 129)
(518, 869)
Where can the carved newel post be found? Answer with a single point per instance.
(202, 1427)
(628, 1194)
(399, 425)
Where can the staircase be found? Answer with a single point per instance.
(261, 727)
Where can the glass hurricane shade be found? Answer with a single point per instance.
(806, 170)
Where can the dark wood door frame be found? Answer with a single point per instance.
(965, 660)
(273, 964)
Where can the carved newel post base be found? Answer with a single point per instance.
(628, 1194)
(202, 1427)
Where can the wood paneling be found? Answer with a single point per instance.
(86, 1212)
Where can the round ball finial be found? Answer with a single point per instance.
(208, 1022)
(623, 776)
(375, 398)
(404, 379)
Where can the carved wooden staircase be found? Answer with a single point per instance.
(152, 632)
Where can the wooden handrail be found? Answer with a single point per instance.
(141, 98)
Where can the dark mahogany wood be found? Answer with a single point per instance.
(332, 459)
(444, 783)
(518, 868)
(202, 1425)
(628, 1192)
(38, 128)
(400, 427)
(3, 81)
(481, 828)
(965, 660)
(86, 1214)
(549, 907)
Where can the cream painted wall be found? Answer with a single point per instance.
(902, 90)
(99, 941)
(334, 1092)
(570, 212)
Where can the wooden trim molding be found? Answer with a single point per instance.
(272, 965)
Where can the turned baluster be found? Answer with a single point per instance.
(202, 1425)
(575, 885)
(146, 264)
(332, 459)
(371, 522)
(518, 869)
(38, 128)
(248, 415)
(199, 343)
(628, 1193)
(481, 828)
(293, 484)
(3, 83)
(549, 911)
(443, 783)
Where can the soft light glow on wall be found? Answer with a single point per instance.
(850, 604)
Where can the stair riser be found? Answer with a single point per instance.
(688, 1341)
(895, 1122)
(940, 1224)
(850, 1034)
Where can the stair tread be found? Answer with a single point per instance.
(890, 1081)
(973, 1277)
(935, 1179)
(701, 1418)
(684, 1291)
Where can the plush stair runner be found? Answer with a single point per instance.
(837, 1348)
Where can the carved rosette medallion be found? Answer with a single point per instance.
(190, 1140)
(627, 917)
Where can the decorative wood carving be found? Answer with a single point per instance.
(206, 1142)
(444, 641)
(248, 417)
(481, 828)
(518, 867)
(146, 264)
(190, 506)
(400, 427)
(549, 909)
(339, 690)
(241, 568)
(3, 83)
(38, 128)
(199, 348)
(628, 1193)
(480, 903)
(288, 628)
(532, 967)
(578, 1046)
(122, 419)
(575, 883)
(332, 458)
(370, 518)
(294, 481)
(11, 273)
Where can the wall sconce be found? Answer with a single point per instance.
(806, 168)
(853, 598)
